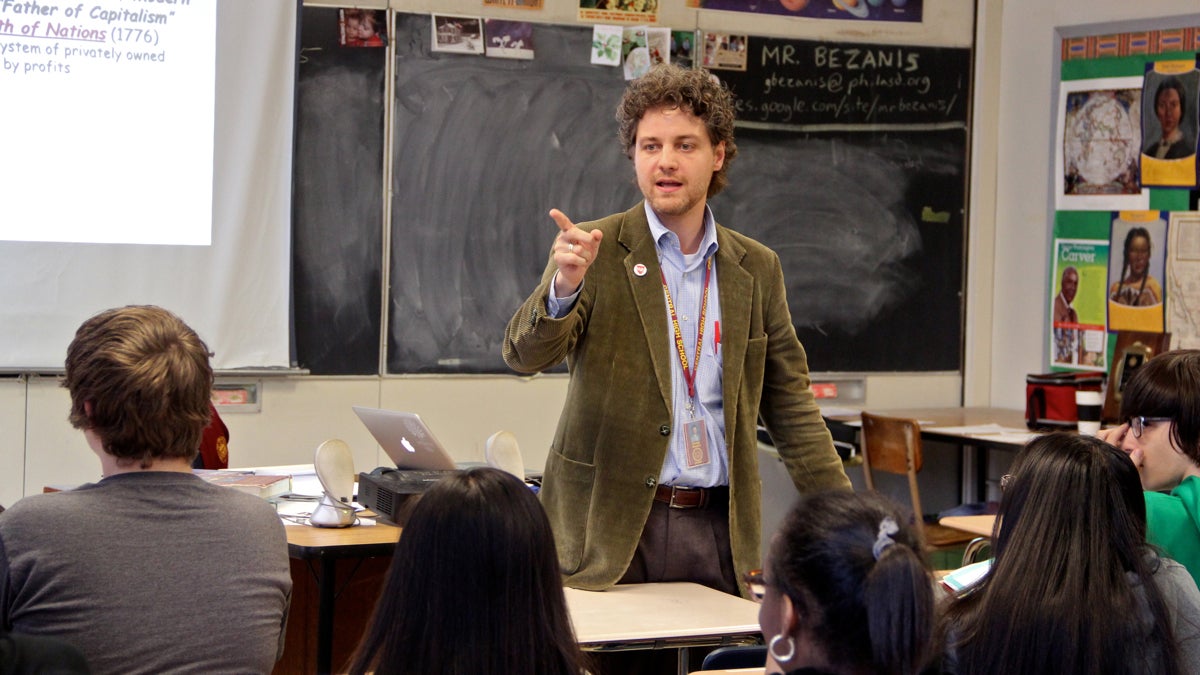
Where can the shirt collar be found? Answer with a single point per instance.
(666, 240)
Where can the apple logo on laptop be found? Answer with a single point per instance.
(407, 446)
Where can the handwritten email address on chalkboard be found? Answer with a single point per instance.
(816, 85)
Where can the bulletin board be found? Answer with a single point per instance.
(865, 205)
(1125, 242)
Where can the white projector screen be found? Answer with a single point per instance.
(147, 161)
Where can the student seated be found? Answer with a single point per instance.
(1160, 408)
(474, 587)
(1074, 588)
(845, 589)
(150, 569)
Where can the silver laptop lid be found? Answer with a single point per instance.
(405, 438)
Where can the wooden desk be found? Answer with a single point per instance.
(634, 616)
(946, 425)
(978, 525)
(661, 616)
(367, 552)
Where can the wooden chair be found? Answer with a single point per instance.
(893, 444)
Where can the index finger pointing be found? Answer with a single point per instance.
(564, 223)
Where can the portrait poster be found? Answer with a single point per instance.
(846, 10)
(508, 39)
(458, 34)
(1098, 147)
(362, 28)
(1078, 338)
(1135, 295)
(1170, 122)
(618, 11)
(1183, 279)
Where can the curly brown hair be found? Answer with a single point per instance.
(148, 379)
(696, 91)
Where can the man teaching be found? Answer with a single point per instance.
(677, 335)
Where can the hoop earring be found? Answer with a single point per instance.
(781, 658)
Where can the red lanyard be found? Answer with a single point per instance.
(689, 374)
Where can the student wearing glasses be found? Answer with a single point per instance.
(1161, 434)
(845, 589)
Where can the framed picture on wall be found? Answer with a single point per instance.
(1132, 350)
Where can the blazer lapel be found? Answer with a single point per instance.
(647, 292)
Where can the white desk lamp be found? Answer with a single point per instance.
(335, 469)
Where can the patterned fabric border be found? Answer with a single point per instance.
(1130, 44)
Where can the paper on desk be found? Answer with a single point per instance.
(837, 411)
(993, 432)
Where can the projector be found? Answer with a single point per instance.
(391, 493)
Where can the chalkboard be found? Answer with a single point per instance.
(867, 214)
(337, 221)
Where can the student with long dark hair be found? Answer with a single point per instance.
(1074, 588)
(845, 589)
(1160, 410)
(474, 587)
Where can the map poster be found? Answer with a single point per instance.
(1183, 280)
(1098, 149)
(1077, 311)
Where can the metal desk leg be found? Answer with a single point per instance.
(968, 490)
(681, 661)
(326, 588)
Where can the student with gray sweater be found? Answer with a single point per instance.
(150, 569)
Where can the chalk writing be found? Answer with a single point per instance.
(798, 84)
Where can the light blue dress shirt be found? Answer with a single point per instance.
(685, 280)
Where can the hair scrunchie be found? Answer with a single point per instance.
(883, 540)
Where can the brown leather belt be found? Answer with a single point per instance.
(691, 497)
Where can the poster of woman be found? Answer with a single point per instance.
(1135, 294)
(1170, 121)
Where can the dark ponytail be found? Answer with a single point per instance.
(899, 602)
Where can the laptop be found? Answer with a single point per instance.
(406, 439)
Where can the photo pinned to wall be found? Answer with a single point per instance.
(606, 45)
(1135, 296)
(619, 11)
(1099, 145)
(683, 44)
(846, 10)
(509, 39)
(457, 34)
(1078, 338)
(362, 28)
(723, 51)
(658, 44)
(635, 55)
(1183, 279)
(520, 4)
(1170, 122)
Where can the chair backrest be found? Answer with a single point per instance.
(726, 658)
(502, 452)
(893, 444)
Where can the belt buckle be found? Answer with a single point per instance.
(700, 496)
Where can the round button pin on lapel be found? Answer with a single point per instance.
(639, 269)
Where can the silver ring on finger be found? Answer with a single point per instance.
(570, 248)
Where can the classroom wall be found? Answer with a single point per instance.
(38, 447)
(1018, 291)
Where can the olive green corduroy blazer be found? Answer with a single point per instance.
(613, 433)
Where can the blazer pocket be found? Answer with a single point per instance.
(567, 497)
